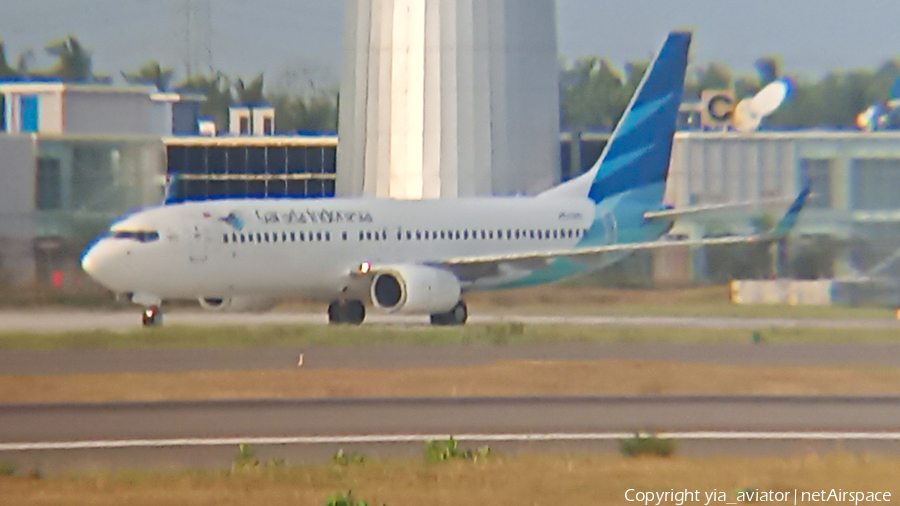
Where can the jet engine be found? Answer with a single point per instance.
(416, 289)
(238, 304)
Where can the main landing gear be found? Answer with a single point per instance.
(456, 316)
(152, 316)
(349, 311)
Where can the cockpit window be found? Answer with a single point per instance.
(140, 236)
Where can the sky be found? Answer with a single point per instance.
(298, 42)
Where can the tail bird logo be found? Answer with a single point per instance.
(234, 220)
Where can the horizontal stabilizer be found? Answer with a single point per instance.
(671, 214)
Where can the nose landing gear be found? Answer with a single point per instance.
(151, 316)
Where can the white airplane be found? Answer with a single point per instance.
(411, 256)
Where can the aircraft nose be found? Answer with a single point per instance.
(99, 262)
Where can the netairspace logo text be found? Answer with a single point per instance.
(686, 496)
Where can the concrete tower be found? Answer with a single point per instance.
(444, 98)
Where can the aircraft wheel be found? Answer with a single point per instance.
(456, 316)
(351, 311)
(151, 316)
(336, 312)
(354, 312)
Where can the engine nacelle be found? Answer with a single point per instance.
(416, 289)
(238, 304)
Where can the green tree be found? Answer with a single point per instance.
(73, 61)
(250, 93)
(151, 74)
(594, 94)
(216, 89)
(5, 69)
(294, 113)
(716, 76)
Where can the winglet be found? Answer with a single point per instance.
(790, 217)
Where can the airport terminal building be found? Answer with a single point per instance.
(74, 157)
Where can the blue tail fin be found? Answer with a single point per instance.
(639, 149)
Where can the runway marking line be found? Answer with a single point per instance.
(418, 438)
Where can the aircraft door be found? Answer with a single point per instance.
(197, 245)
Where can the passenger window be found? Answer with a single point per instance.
(258, 238)
(293, 237)
(517, 233)
(384, 234)
(328, 236)
(243, 238)
(344, 235)
(318, 236)
(362, 235)
(465, 234)
(225, 238)
(301, 236)
(418, 235)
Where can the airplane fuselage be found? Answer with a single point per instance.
(313, 247)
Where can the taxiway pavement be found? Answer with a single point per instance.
(447, 415)
(50, 320)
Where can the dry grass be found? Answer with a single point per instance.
(502, 378)
(531, 480)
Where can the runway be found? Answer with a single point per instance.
(312, 419)
(122, 320)
(530, 414)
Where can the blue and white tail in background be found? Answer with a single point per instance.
(633, 167)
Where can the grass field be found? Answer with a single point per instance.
(342, 335)
(506, 378)
(495, 481)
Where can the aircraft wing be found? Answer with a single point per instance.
(597, 250)
(781, 229)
